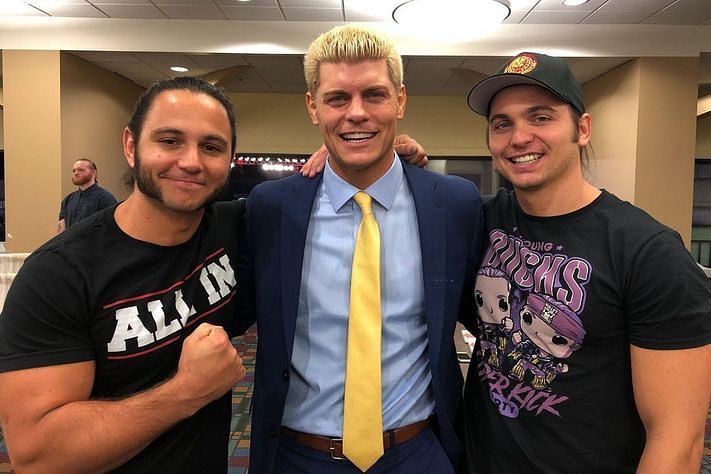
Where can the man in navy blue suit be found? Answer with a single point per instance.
(296, 269)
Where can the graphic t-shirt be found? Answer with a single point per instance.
(560, 300)
(94, 293)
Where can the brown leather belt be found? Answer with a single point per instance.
(334, 446)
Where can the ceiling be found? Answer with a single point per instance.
(659, 12)
(282, 73)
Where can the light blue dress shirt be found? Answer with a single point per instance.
(318, 364)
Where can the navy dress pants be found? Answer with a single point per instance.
(422, 454)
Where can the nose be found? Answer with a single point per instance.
(190, 160)
(356, 111)
(521, 135)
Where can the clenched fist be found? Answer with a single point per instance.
(209, 365)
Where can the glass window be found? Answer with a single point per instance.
(701, 216)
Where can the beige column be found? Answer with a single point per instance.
(31, 88)
(644, 136)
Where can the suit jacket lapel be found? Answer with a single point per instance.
(430, 206)
(295, 215)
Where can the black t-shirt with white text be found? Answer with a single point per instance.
(95, 293)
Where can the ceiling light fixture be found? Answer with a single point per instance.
(451, 21)
(451, 13)
(14, 7)
(574, 3)
(179, 68)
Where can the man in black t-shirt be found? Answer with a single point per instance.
(85, 201)
(594, 347)
(113, 355)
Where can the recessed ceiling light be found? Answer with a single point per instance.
(455, 19)
(430, 11)
(574, 3)
(179, 69)
(49, 3)
(15, 7)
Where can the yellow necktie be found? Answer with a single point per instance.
(362, 406)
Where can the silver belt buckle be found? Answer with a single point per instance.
(332, 449)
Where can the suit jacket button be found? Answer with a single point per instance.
(272, 433)
(285, 375)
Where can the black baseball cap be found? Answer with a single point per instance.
(536, 69)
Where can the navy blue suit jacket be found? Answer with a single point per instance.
(269, 277)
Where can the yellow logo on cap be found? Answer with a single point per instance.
(522, 64)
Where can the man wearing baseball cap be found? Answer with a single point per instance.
(634, 394)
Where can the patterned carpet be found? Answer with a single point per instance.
(239, 441)
(246, 345)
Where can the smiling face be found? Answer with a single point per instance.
(544, 336)
(356, 108)
(182, 158)
(534, 140)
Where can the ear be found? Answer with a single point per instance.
(311, 108)
(129, 146)
(401, 101)
(584, 129)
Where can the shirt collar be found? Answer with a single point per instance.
(383, 190)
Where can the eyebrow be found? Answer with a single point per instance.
(538, 108)
(160, 131)
(333, 92)
(530, 110)
(177, 131)
(379, 88)
(376, 87)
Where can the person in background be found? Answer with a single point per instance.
(85, 201)
(359, 277)
(115, 350)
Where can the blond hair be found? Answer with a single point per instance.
(351, 44)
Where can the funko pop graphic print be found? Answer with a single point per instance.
(529, 298)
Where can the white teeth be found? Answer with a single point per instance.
(357, 136)
(525, 158)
